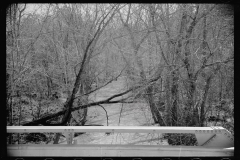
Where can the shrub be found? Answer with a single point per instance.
(185, 139)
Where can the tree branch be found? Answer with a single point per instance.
(43, 120)
(211, 64)
(102, 85)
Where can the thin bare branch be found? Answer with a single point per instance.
(105, 112)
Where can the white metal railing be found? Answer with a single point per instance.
(212, 140)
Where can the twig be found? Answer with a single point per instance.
(120, 114)
(211, 64)
(102, 85)
(105, 112)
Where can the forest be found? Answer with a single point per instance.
(177, 59)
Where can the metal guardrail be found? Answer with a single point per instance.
(212, 141)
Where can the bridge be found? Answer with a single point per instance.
(212, 141)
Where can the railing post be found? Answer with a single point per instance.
(69, 137)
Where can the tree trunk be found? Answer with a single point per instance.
(204, 47)
(202, 107)
(10, 119)
(168, 102)
(69, 103)
(157, 117)
(49, 86)
(174, 92)
(57, 137)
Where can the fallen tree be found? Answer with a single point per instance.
(44, 120)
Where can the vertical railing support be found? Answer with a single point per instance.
(69, 134)
(70, 138)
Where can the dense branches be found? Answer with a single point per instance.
(176, 58)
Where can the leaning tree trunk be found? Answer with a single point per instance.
(69, 103)
(157, 117)
(91, 43)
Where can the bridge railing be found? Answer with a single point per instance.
(212, 141)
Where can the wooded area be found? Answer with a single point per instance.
(176, 58)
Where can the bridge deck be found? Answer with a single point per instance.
(212, 141)
(116, 151)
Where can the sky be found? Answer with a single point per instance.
(32, 7)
